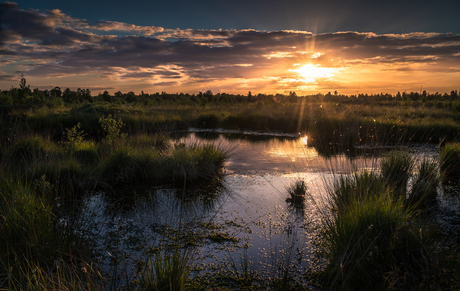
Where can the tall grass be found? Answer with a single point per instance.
(369, 234)
(424, 190)
(396, 169)
(37, 249)
(169, 271)
(297, 191)
(450, 163)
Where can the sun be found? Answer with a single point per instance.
(310, 71)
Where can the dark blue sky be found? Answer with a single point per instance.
(316, 16)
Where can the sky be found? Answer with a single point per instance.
(237, 46)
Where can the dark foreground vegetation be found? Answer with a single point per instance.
(58, 147)
(380, 236)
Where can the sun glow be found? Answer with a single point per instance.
(313, 72)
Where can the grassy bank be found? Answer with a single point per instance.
(347, 124)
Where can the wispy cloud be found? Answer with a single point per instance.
(50, 44)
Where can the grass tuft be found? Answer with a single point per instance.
(396, 169)
(368, 235)
(167, 272)
(424, 191)
(450, 163)
(297, 192)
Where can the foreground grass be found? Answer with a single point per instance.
(37, 250)
(375, 238)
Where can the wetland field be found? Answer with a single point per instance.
(229, 192)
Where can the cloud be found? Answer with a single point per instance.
(7, 77)
(52, 44)
(120, 26)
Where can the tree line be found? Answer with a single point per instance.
(55, 97)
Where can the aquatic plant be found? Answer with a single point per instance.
(368, 235)
(297, 192)
(424, 190)
(168, 271)
(356, 188)
(396, 169)
(450, 163)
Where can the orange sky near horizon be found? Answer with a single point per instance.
(52, 49)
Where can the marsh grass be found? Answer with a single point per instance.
(168, 271)
(368, 235)
(29, 149)
(396, 169)
(371, 238)
(450, 163)
(359, 187)
(297, 191)
(38, 250)
(424, 190)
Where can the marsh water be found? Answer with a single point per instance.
(242, 219)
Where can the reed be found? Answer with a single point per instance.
(450, 163)
(169, 271)
(396, 169)
(424, 190)
(297, 191)
(368, 234)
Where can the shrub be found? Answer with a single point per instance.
(75, 136)
(112, 127)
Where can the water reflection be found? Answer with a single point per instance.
(245, 210)
(282, 154)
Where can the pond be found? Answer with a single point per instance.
(243, 218)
